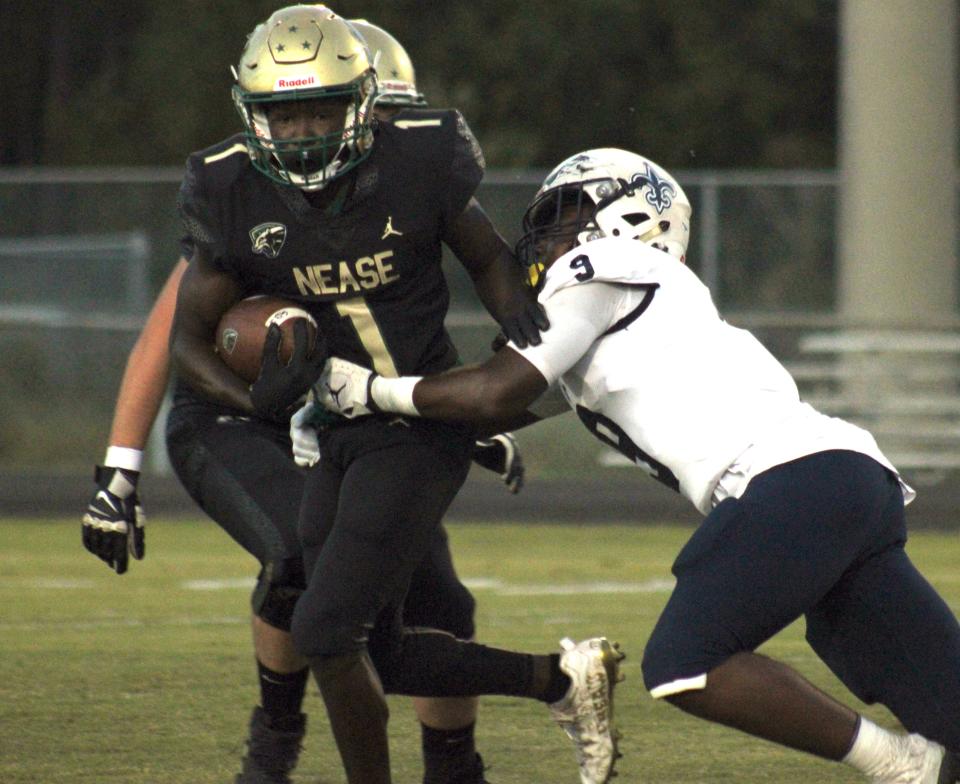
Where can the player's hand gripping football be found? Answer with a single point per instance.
(280, 386)
(113, 525)
(344, 388)
(501, 454)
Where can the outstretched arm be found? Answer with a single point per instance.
(499, 393)
(499, 390)
(495, 394)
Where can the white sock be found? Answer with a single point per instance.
(893, 757)
(874, 749)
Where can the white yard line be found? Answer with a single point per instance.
(116, 623)
(501, 588)
(492, 584)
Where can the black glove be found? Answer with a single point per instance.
(501, 454)
(279, 387)
(523, 326)
(113, 525)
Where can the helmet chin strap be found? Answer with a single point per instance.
(656, 231)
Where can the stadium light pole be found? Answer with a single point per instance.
(899, 348)
(898, 163)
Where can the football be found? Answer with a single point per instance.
(243, 329)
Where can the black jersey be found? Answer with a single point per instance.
(371, 274)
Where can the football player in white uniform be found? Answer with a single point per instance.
(804, 514)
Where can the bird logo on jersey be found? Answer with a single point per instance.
(267, 239)
(661, 191)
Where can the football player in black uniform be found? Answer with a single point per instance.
(238, 469)
(319, 204)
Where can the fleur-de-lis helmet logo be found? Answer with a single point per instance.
(659, 192)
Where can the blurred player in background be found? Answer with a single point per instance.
(319, 204)
(804, 514)
(238, 468)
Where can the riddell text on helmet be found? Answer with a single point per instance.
(290, 84)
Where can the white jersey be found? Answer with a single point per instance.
(640, 353)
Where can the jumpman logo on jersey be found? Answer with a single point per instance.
(389, 230)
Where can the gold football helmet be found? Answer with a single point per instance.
(396, 78)
(306, 52)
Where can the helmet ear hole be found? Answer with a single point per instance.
(636, 218)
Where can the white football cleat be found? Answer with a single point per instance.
(920, 761)
(586, 712)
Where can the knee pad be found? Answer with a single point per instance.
(278, 588)
(458, 619)
(452, 612)
(327, 630)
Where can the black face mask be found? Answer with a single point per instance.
(542, 226)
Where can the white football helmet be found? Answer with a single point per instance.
(618, 194)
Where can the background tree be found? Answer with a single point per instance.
(693, 84)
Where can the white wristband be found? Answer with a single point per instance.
(123, 457)
(395, 394)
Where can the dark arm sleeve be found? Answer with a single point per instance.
(199, 219)
(465, 172)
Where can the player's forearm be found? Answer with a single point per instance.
(196, 362)
(147, 371)
(141, 394)
(499, 285)
(467, 394)
(205, 294)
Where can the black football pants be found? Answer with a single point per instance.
(240, 471)
(371, 508)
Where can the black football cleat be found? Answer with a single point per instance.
(272, 748)
(470, 774)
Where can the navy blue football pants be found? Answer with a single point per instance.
(240, 471)
(820, 537)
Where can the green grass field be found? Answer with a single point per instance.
(149, 677)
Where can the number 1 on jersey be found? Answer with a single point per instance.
(369, 333)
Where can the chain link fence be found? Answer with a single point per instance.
(84, 252)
